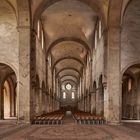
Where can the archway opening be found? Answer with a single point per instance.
(8, 92)
(131, 93)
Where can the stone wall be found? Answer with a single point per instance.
(40, 62)
(8, 37)
(98, 60)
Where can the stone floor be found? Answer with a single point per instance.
(69, 131)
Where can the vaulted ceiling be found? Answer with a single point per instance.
(69, 29)
(71, 25)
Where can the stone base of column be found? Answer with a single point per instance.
(19, 122)
(114, 123)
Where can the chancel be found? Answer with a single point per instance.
(69, 69)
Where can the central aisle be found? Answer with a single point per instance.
(68, 119)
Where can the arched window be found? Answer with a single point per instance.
(64, 95)
(129, 84)
(96, 39)
(50, 60)
(38, 30)
(40, 33)
(73, 95)
(42, 40)
(100, 29)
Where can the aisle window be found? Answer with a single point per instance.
(73, 95)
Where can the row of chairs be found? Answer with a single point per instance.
(87, 118)
(54, 118)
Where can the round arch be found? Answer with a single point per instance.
(124, 9)
(128, 66)
(7, 76)
(46, 4)
(69, 71)
(67, 58)
(68, 68)
(11, 67)
(8, 91)
(14, 10)
(68, 80)
(129, 97)
(70, 76)
(74, 39)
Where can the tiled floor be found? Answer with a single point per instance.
(69, 131)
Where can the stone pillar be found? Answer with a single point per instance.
(105, 100)
(113, 112)
(40, 102)
(1, 100)
(98, 107)
(33, 103)
(37, 100)
(24, 85)
(33, 74)
(138, 102)
(24, 75)
(82, 105)
(53, 82)
(101, 101)
(12, 102)
(47, 103)
(82, 86)
(86, 104)
(93, 102)
(89, 102)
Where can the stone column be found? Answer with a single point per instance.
(105, 100)
(53, 82)
(23, 94)
(33, 74)
(1, 100)
(12, 101)
(47, 103)
(24, 75)
(40, 102)
(82, 85)
(98, 107)
(138, 101)
(93, 102)
(113, 110)
(33, 103)
(88, 102)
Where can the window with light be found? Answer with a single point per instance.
(64, 95)
(73, 95)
